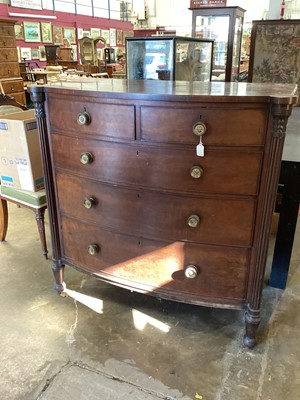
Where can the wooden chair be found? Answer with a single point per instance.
(35, 201)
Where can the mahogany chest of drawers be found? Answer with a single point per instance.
(133, 199)
(10, 77)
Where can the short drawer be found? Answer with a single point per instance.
(157, 267)
(222, 171)
(116, 121)
(224, 126)
(158, 215)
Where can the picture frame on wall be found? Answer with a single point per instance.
(35, 54)
(119, 38)
(70, 35)
(105, 35)
(86, 33)
(42, 52)
(112, 37)
(46, 30)
(57, 34)
(25, 53)
(32, 32)
(19, 31)
(95, 32)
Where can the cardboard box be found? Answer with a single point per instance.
(20, 157)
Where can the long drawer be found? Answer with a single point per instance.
(157, 267)
(9, 70)
(8, 42)
(222, 171)
(8, 55)
(11, 86)
(158, 215)
(224, 126)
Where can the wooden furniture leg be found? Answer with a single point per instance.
(3, 219)
(39, 216)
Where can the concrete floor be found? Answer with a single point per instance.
(114, 344)
(106, 343)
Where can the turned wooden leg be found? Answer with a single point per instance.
(58, 272)
(39, 216)
(252, 319)
(3, 219)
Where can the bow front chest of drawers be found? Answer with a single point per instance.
(165, 188)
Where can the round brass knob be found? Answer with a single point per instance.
(196, 172)
(93, 249)
(84, 118)
(88, 202)
(86, 158)
(193, 221)
(191, 271)
(199, 128)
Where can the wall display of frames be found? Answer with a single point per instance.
(19, 31)
(46, 30)
(70, 34)
(57, 34)
(32, 31)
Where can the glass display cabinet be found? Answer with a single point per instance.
(169, 58)
(225, 26)
(88, 49)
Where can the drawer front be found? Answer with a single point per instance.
(158, 215)
(19, 97)
(107, 120)
(9, 70)
(162, 168)
(7, 42)
(13, 86)
(226, 127)
(8, 55)
(7, 30)
(157, 267)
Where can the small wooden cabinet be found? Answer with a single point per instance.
(10, 76)
(132, 203)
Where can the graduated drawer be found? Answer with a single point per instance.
(225, 126)
(156, 267)
(224, 171)
(7, 55)
(107, 120)
(9, 70)
(7, 30)
(13, 86)
(158, 215)
(8, 42)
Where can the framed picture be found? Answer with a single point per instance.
(112, 36)
(86, 34)
(32, 31)
(46, 29)
(95, 32)
(35, 54)
(105, 35)
(119, 38)
(74, 48)
(69, 33)
(79, 33)
(42, 52)
(57, 34)
(19, 31)
(25, 53)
